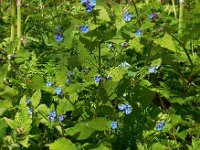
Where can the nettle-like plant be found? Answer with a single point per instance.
(99, 74)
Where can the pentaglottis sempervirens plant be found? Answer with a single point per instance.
(99, 74)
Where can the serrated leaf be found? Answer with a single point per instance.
(11, 123)
(166, 42)
(62, 143)
(35, 99)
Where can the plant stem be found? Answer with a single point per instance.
(13, 20)
(180, 27)
(138, 17)
(19, 25)
(186, 52)
(174, 7)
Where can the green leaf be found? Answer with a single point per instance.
(4, 105)
(62, 143)
(61, 76)
(80, 131)
(99, 124)
(37, 82)
(3, 126)
(11, 123)
(166, 42)
(68, 37)
(35, 99)
(103, 14)
(157, 146)
(64, 106)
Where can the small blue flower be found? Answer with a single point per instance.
(126, 108)
(68, 81)
(152, 15)
(92, 3)
(122, 107)
(153, 69)
(59, 37)
(58, 90)
(28, 101)
(124, 44)
(49, 83)
(52, 113)
(159, 125)
(127, 16)
(108, 77)
(60, 117)
(30, 111)
(110, 45)
(124, 64)
(97, 78)
(113, 124)
(84, 28)
(88, 7)
(138, 32)
(70, 74)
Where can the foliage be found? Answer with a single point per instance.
(99, 74)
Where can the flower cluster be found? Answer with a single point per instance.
(70, 75)
(30, 110)
(89, 4)
(49, 83)
(52, 116)
(152, 15)
(159, 125)
(113, 125)
(153, 69)
(59, 36)
(126, 108)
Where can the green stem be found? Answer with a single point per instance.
(138, 17)
(180, 27)
(186, 52)
(174, 7)
(13, 20)
(19, 25)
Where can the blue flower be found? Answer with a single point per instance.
(159, 125)
(84, 28)
(58, 90)
(92, 3)
(52, 115)
(59, 37)
(30, 111)
(121, 106)
(138, 32)
(70, 74)
(153, 69)
(88, 7)
(110, 45)
(60, 117)
(126, 108)
(152, 15)
(124, 44)
(124, 64)
(49, 83)
(127, 16)
(97, 78)
(68, 81)
(113, 124)
(108, 77)
(28, 101)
